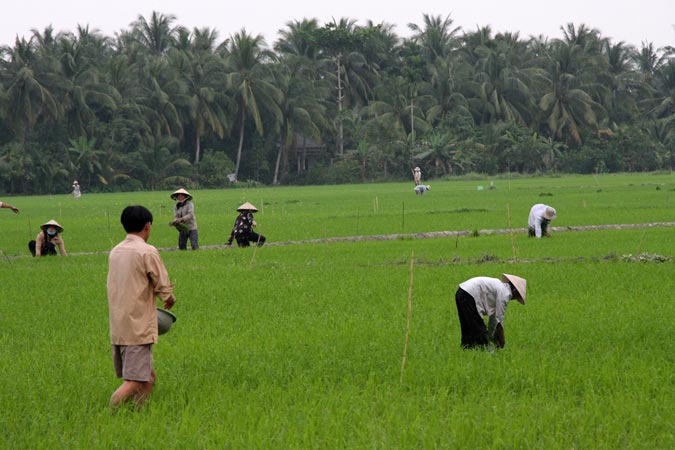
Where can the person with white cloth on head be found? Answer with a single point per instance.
(417, 176)
(420, 189)
(540, 217)
(480, 297)
(77, 193)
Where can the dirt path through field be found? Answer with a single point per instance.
(437, 234)
(391, 237)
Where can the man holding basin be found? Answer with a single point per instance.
(136, 275)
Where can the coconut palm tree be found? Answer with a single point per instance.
(567, 104)
(298, 39)
(86, 160)
(26, 99)
(446, 77)
(248, 80)
(299, 105)
(203, 75)
(156, 35)
(436, 36)
(83, 94)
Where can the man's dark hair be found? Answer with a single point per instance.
(135, 217)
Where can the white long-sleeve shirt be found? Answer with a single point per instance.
(536, 218)
(491, 296)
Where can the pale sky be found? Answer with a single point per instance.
(634, 21)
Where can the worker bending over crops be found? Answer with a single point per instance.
(481, 297)
(539, 219)
(242, 231)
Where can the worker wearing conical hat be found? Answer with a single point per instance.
(481, 297)
(539, 219)
(48, 240)
(242, 231)
(184, 219)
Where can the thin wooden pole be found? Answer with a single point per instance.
(357, 221)
(407, 325)
(513, 244)
(255, 250)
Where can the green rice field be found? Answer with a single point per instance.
(301, 345)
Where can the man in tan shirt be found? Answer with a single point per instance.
(136, 274)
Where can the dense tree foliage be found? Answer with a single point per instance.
(158, 105)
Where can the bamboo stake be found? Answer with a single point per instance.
(6, 257)
(357, 221)
(513, 245)
(642, 238)
(255, 250)
(407, 325)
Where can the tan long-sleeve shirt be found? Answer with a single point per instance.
(136, 274)
(56, 240)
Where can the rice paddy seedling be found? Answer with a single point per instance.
(302, 348)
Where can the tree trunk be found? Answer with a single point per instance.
(282, 145)
(242, 121)
(340, 144)
(197, 147)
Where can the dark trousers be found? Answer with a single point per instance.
(245, 241)
(474, 331)
(47, 248)
(183, 238)
(544, 229)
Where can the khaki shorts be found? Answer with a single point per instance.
(133, 362)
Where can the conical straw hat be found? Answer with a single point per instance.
(52, 223)
(247, 207)
(549, 213)
(519, 283)
(181, 191)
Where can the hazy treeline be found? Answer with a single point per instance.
(158, 105)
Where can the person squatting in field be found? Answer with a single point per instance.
(242, 231)
(48, 240)
(184, 219)
(539, 219)
(136, 275)
(481, 297)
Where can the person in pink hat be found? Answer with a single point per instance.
(481, 297)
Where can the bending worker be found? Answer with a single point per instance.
(540, 217)
(481, 297)
(243, 227)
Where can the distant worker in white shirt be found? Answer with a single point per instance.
(481, 297)
(417, 176)
(540, 217)
(420, 189)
